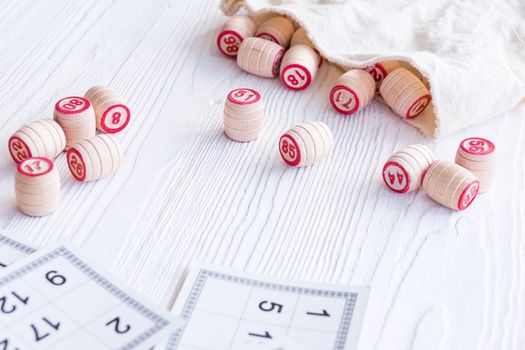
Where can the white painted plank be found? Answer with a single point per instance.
(439, 279)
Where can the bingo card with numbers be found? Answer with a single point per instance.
(233, 310)
(54, 299)
(12, 249)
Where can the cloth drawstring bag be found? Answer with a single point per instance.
(472, 52)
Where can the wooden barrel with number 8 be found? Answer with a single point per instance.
(111, 111)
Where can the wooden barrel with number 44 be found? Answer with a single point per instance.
(404, 170)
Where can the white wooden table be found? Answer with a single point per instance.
(439, 279)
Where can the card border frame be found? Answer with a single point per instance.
(205, 273)
(159, 322)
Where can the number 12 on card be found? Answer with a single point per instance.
(54, 299)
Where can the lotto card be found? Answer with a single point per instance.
(13, 249)
(226, 309)
(55, 299)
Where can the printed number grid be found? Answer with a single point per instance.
(11, 249)
(31, 307)
(259, 309)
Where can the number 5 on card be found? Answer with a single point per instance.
(236, 310)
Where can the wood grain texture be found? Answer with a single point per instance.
(440, 279)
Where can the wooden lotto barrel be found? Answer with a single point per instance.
(306, 143)
(233, 32)
(405, 93)
(260, 57)
(41, 138)
(76, 116)
(403, 172)
(300, 37)
(478, 155)
(380, 70)
(299, 67)
(94, 158)
(352, 92)
(111, 110)
(243, 115)
(37, 186)
(278, 29)
(450, 185)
